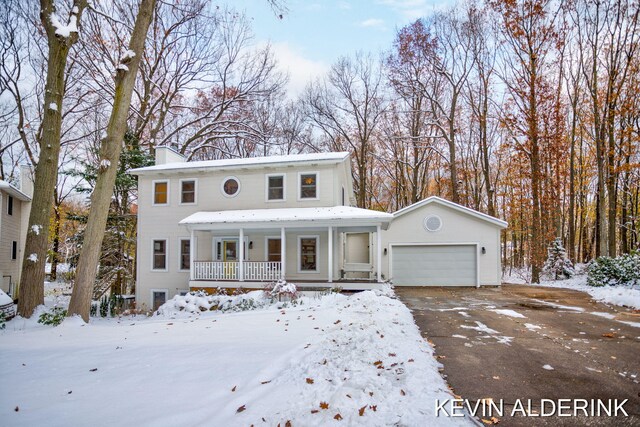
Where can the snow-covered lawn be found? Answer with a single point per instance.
(338, 360)
(628, 296)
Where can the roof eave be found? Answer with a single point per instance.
(435, 199)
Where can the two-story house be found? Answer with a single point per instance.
(248, 222)
(15, 206)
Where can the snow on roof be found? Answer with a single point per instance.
(246, 162)
(256, 216)
(13, 191)
(455, 206)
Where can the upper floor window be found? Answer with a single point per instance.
(10, 205)
(14, 250)
(161, 192)
(308, 185)
(275, 187)
(188, 191)
(230, 186)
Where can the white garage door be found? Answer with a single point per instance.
(434, 265)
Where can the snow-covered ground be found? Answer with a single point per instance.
(335, 360)
(628, 296)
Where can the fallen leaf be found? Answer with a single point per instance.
(234, 388)
(93, 370)
(324, 405)
(309, 380)
(349, 396)
(336, 322)
(496, 377)
(17, 409)
(609, 335)
(402, 392)
(265, 382)
(314, 411)
(361, 410)
(287, 424)
(495, 420)
(392, 355)
(374, 407)
(337, 417)
(378, 363)
(240, 409)
(410, 360)
(70, 391)
(370, 393)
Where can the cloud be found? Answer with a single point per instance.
(301, 70)
(414, 9)
(372, 23)
(344, 5)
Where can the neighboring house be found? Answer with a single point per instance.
(15, 205)
(248, 222)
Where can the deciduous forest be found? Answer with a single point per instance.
(527, 110)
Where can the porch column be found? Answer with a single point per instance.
(379, 250)
(192, 253)
(241, 264)
(330, 249)
(283, 253)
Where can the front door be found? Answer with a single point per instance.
(230, 258)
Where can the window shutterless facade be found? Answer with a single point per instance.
(307, 254)
(10, 205)
(14, 250)
(308, 186)
(185, 254)
(159, 255)
(275, 187)
(188, 191)
(160, 192)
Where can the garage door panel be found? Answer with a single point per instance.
(434, 265)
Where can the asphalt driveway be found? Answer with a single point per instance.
(527, 342)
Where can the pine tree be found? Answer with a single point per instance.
(558, 265)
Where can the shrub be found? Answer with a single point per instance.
(3, 320)
(622, 270)
(281, 289)
(54, 317)
(558, 266)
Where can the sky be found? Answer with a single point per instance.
(314, 34)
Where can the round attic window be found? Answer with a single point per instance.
(432, 223)
(230, 186)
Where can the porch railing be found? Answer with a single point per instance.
(259, 271)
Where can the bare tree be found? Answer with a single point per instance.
(347, 107)
(60, 38)
(110, 149)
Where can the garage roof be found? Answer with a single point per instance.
(435, 199)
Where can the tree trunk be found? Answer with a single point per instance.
(109, 155)
(31, 290)
(56, 243)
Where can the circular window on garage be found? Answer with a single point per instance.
(230, 186)
(432, 223)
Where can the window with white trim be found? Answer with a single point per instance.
(275, 187)
(161, 192)
(188, 191)
(308, 253)
(185, 254)
(159, 254)
(158, 297)
(309, 185)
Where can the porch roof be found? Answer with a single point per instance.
(301, 217)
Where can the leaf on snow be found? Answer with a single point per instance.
(361, 410)
(234, 388)
(337, 417)
(309, 380)
(240, 409)
(324, 405)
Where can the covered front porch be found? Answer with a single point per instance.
(313, 247)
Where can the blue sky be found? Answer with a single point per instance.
(313, 34)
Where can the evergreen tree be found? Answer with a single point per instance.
(558, 266)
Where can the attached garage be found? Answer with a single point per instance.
(436, 242)
(434, 265)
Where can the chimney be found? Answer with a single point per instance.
(167, 154)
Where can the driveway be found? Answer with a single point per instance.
(528, 342)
